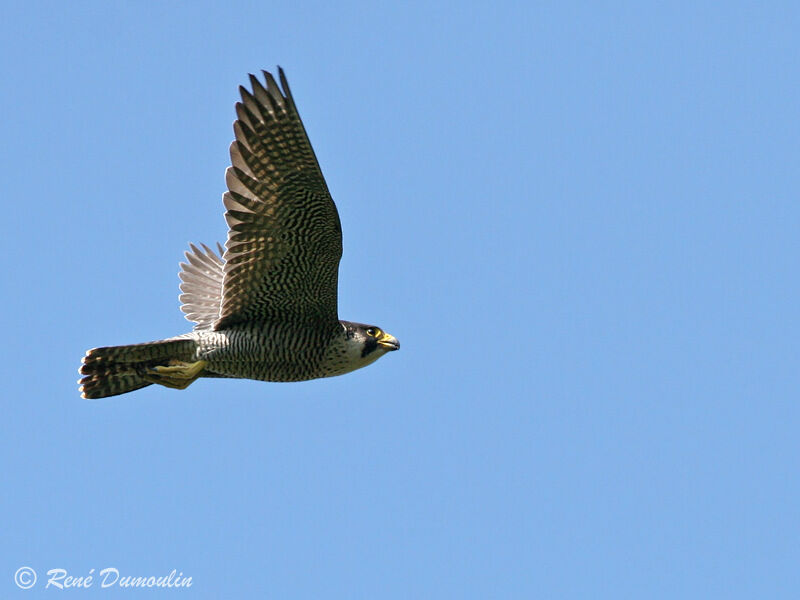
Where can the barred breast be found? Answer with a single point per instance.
(267, 351)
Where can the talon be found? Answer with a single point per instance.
(178, 375)
(180, 370)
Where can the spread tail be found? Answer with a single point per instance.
(120, 369)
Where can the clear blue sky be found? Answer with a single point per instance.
(580, 221)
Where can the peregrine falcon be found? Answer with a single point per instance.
(265, 307)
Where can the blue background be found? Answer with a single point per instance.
(581, 221)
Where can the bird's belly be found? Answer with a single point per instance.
(262, 370)
(262, 353)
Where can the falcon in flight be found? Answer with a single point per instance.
(265, 307)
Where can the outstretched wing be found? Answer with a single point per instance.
(285, 239)
(201, 284)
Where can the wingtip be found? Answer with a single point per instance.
(246, 94)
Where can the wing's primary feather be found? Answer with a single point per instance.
(201, 284)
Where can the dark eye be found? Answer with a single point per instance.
(372, 332)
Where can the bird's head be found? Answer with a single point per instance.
(364, 344)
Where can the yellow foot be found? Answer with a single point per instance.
(178, 375)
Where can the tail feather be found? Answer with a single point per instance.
(117, 370)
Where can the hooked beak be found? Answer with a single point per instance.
(389, 342)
